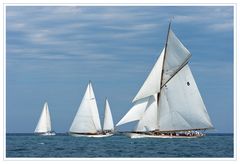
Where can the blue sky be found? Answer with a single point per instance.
(52, 53)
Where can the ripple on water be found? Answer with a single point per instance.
(118, 146)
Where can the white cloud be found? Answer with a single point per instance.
(215, 18)
(78, 31)
(219, 27)
(185, 18)
(219, 69)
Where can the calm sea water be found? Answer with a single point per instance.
(117, 146)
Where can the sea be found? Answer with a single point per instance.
(118, 146)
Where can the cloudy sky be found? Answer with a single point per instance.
(52, 53)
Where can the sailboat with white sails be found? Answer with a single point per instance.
(87, 122)
(108, 126)
(44, 126)
(169, 105)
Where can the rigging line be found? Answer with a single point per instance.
(178, 70)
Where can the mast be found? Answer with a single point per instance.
(158, 95)
(169, 26)
(105, 105)
(47, 116)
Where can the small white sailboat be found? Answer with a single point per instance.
(87, 122)
(108, 126)
(44, 124)
(169, 105)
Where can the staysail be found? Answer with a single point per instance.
(148, 121)
(44, 123)
(108, 120)
(87, 117)
(152, 83)
(136, 112)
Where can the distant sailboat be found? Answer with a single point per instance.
(108, 126)
(87, 122)
(169, 104)
(44, 124)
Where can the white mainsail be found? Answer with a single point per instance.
(170, 99)
(181, 106)
(108, 120)
(44, 123)
(87, 117)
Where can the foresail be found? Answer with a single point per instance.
(148, 121)
(83, 121)
(108, 120)
(176, 57)
(44, 123)
(136, 112)
(181, 106)
(153, 81)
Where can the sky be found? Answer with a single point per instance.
(53, 51)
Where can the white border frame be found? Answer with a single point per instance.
(5, 3)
